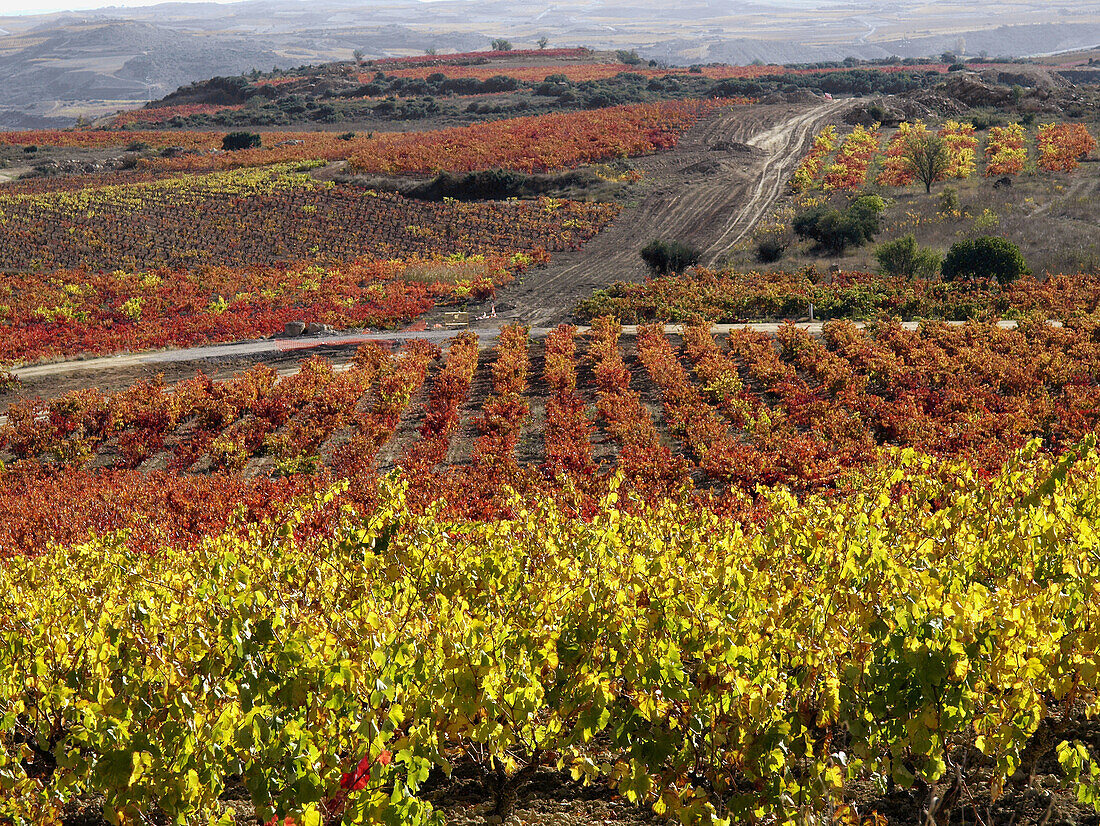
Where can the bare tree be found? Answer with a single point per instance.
(543, 42)
(929, 158)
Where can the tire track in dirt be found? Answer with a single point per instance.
(784, 145)
(709, 191)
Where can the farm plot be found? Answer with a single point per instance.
(271, 215)
(706, 418)
(1058, 147)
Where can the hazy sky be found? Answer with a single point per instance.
(39, 6)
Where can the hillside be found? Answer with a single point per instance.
(549, 435)
(80, 65)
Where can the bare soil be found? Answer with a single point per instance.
(709, 191)
(114, 379)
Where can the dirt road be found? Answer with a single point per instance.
(709, 191)
(340, 347)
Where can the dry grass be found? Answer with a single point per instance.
(445, 272)
(1051, 217)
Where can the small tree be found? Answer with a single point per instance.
(984, 257)
(240, 140)
(358, 55)
(664, 257)
(502, 45)
(929, 157)
(904, 259)
(543, 42)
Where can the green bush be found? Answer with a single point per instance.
(902, 258)
(984, 257)
(835, 230)
(240, 140)
(949, 201)
(664, 257)
(769, 250)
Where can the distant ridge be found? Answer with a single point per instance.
(126, 56)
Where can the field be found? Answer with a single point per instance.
(539, 143)
(736, 297)
(1031, 185)
(719, 415)
(276, 215)
(236, 255)
(493, 547)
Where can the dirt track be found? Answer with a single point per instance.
(709, 191)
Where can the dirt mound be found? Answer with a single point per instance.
(735, 146)
(1037, 78)
(794, 96)
(974, 91)
(936, 102)
(889, 111)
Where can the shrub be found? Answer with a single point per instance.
(483, 185)
(664, 257)
(986, 222)
(984, 257)
(949, 201)
(240, 140)
(902, 258)
(769, 250)
(836, 230)
(499, 83)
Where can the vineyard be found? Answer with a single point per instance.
(79, 312)
(232, 255)
(831, 574)
(270, 215)
(1058, 147)
(538, 143)
(602, 71)
(160, 114)
(737, 412)
(736, 297)
(713, 673)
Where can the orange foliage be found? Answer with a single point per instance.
(535, 144)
